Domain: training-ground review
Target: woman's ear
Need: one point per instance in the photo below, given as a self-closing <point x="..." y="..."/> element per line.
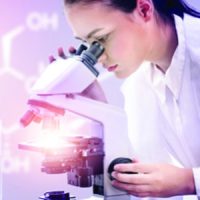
<point x="145" y="9"/>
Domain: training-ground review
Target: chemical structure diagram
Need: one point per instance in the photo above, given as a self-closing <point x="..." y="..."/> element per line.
<point x="35" y="21"/>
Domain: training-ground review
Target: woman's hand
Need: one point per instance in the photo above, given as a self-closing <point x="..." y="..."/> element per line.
<point x="153" y="180"/>
<point x="93" y="91"/>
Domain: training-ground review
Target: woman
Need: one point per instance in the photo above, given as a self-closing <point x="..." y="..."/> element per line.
<point x="155" y="45"/>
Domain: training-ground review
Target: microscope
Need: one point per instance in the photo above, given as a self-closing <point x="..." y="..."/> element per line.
<point x="89" y="154"/>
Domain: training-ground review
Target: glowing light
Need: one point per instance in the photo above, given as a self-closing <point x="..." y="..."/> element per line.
<point x="51" y="140"/>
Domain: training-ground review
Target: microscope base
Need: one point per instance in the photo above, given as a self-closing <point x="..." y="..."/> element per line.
<point x="121" y="197"/>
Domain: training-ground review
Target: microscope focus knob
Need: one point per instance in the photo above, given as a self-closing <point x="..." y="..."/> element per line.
<point x="118" y="161"/>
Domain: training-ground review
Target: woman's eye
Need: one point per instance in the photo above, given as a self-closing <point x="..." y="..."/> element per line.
<point x="103" y="39"/>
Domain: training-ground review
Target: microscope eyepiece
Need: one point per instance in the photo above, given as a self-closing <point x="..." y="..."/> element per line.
<point x="80" y="49"/>
<point x="96" y="49"/>
<point x="91" y="56"/>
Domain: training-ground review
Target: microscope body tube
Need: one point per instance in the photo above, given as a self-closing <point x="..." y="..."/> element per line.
<point x="70" y="76"/>
<point x="65" y="76"/>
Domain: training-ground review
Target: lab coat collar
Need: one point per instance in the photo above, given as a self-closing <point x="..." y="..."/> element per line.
<point x="174" y="74"/>
<point x="172" y="79"/>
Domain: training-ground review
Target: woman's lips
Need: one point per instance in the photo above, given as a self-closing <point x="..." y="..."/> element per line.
<point x="112" y="68"/>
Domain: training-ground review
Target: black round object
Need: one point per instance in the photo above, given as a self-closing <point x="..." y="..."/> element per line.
<point x="118" y="161"/>
<point x="56" y="195"/>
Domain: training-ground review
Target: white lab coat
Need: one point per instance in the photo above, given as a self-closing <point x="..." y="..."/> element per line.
<point x="164" y="109"/>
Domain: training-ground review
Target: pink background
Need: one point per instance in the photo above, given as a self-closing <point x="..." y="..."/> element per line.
<point x="30" y="31"/>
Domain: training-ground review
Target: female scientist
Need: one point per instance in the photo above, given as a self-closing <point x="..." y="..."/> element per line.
<point x="155" y="46"/>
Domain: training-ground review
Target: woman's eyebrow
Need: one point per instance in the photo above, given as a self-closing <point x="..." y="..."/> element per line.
<point x="78" y="38"/>
<point x="89" y="35"/>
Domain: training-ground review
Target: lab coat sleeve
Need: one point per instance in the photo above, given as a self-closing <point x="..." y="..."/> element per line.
<point x="196" y="173"/>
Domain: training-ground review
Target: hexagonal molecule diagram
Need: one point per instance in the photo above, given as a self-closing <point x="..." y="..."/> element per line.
<point x="19" y="68"/>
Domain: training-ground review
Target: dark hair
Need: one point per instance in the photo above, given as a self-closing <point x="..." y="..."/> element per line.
<point x="165" y="8"/>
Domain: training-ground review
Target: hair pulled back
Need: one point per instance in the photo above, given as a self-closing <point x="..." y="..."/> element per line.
<point x="165" y="8"/>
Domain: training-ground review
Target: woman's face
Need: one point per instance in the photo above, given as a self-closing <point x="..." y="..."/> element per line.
<point x="124" y="36"/>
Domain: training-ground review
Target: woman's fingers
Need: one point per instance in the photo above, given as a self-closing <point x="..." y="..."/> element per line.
<point x="72" y="50"/>
<point x="131" y="188"/>
<point x="61" y="53"/>
<point x="51" y="59"/>
<point x="134" y="167"/>
<point x="138" y="179"/>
